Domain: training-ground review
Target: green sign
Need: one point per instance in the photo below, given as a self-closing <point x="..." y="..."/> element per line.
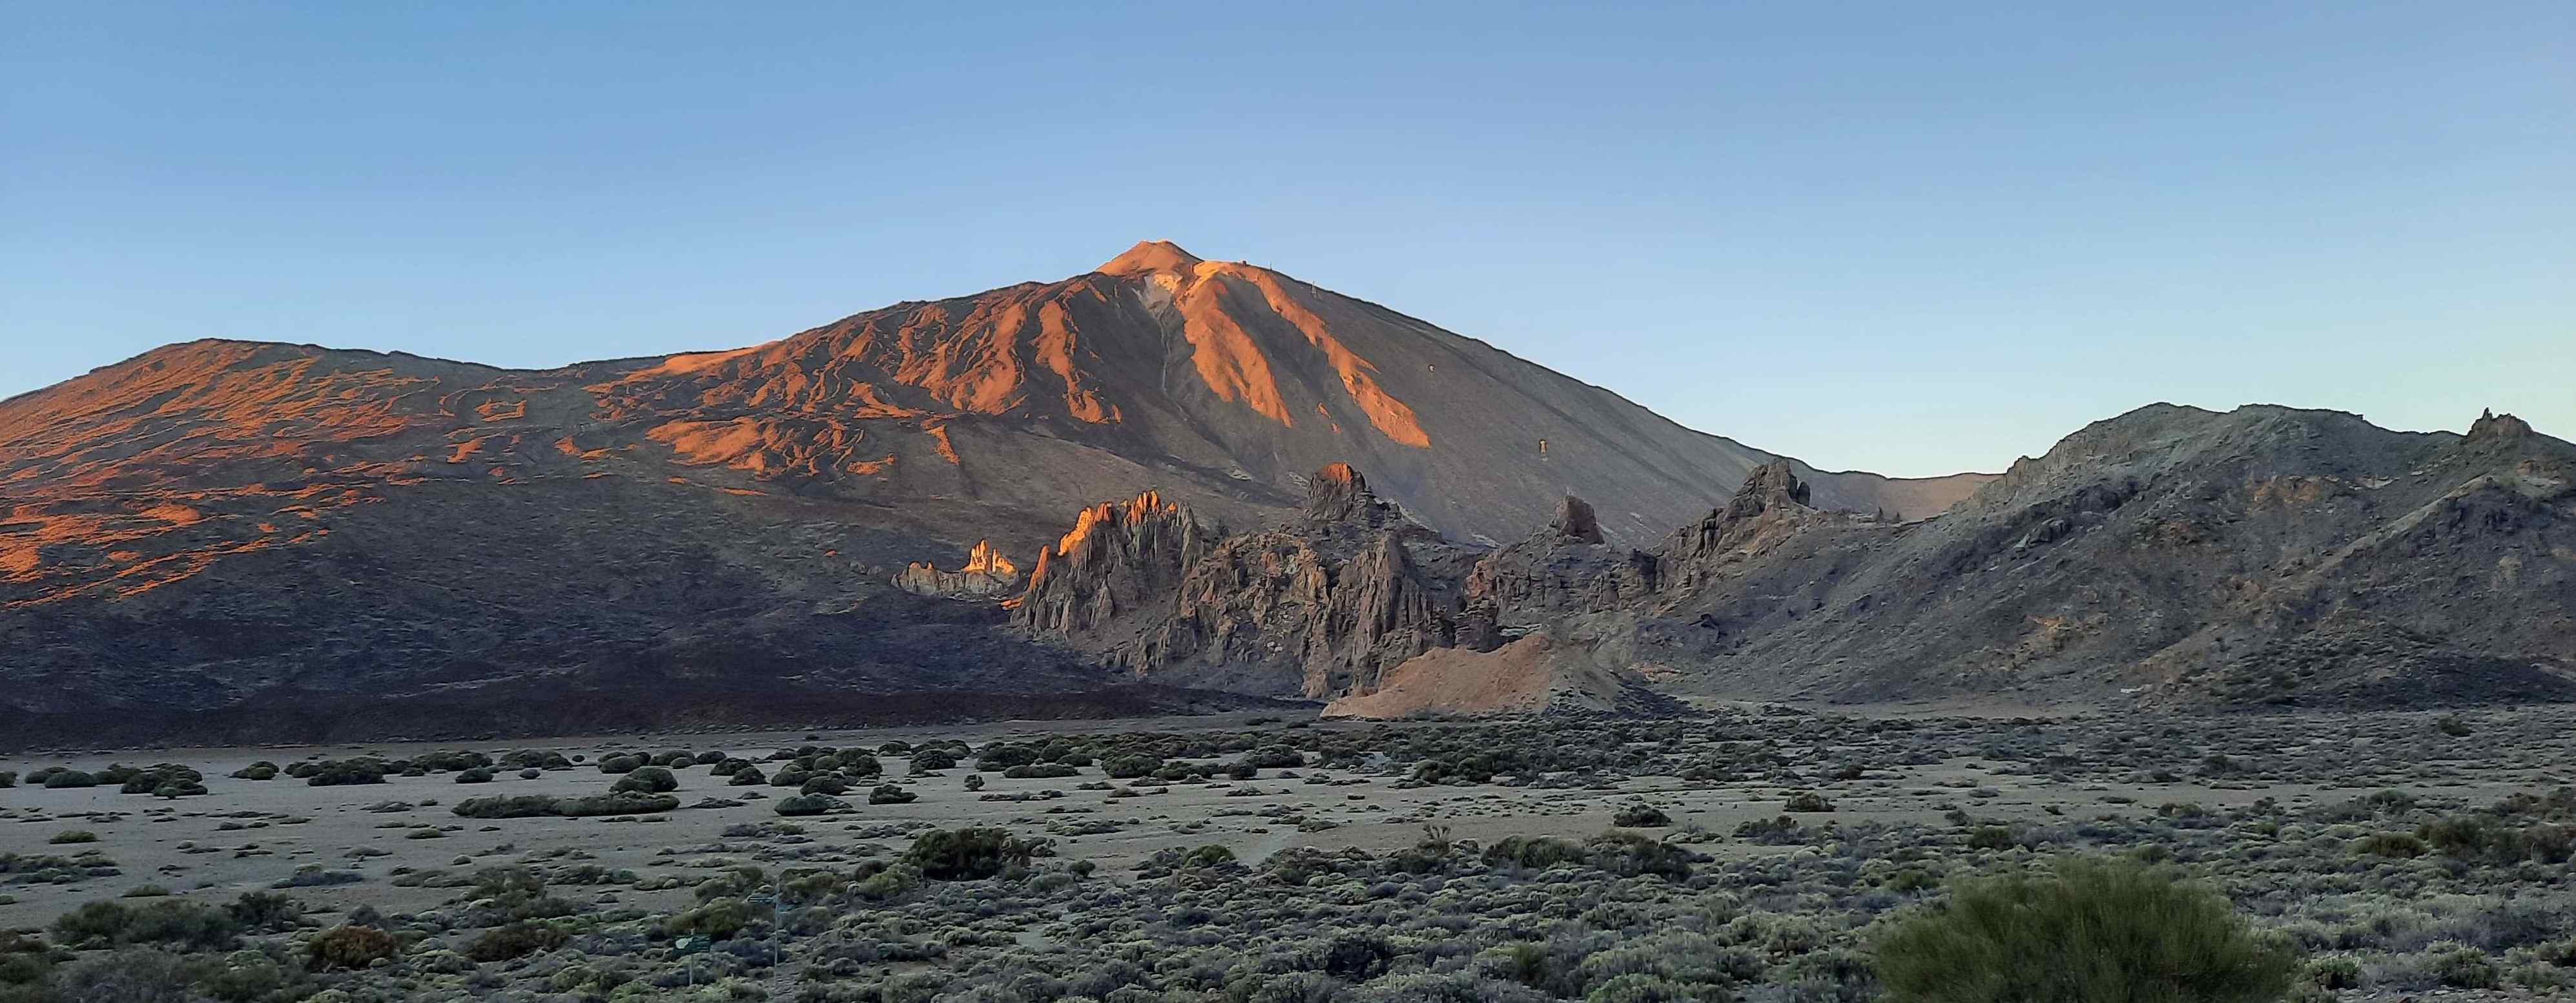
<point x="693" y="944"/>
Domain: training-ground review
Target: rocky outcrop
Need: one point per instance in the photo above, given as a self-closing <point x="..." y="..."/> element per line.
<point x="1120" y="558"/>
<point x="1770" y="506"/>
<point x="1562" y="570"/>
<point x="1320" y="605"/>
<point x="986" y="575"/>
<point x="1576" y="521"/>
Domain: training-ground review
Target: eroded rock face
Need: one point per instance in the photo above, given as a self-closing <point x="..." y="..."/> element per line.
<point x="986" y="575"/>
<point x="1771" y="506"/>
<point x="1321" y="605"/>
<point x="1119" y="558"/>
<point x="1562" y="570"/>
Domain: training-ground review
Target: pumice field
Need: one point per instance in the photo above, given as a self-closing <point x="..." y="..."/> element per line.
<point x="1755" y="854"/>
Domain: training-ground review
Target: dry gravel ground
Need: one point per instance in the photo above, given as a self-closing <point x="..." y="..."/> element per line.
<point x="1916" y="786"/>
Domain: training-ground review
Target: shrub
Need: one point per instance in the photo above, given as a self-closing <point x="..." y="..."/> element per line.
<point x="8" y="778"/>
<point x="747" y="776"/>
<point x="829" y="783"/>
<point x="2464" y="967"/>
<point x="1807" y="801"/>
<point x="1629" y="854"/>
<point x="2094" y="930"/>
<point x="509" y="806"/>
<point x="972" y="853"/>
<point x="350" y="947"/>
<point x="891" y="794"/>
<point x="72" y="836"/>
<point x="720" y="919"/>
<point x="1641" y="815"/>
<point x="932" y="760"/>
<point x="999" y="756"/>
<point x="516" y="940"/>
<point x="265" y="911"/>
<point x="616" y="803"/>
<point x="2388" y="844"/>
<point x="810" y="804"/>
<point x="1533" y="852"/>
<point x="647" y="780"/>
<point x="341" y="772"/>
<point x="69" y="778"/>
<point x="162" y="921"/>
<point x="474" y="775"/>
<point x="1040" y="771"/>
<point x="620" y="764"/>
<point x="1129" y="767"/>
<point x="165" y="779"/>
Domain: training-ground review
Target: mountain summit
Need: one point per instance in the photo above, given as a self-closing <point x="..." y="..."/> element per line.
<point x="1150" y="256"/>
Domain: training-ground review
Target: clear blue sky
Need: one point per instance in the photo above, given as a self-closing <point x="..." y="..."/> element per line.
<point x="1911" y="238"/>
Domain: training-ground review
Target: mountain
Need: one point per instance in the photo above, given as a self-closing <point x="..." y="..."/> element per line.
<point x="246" y="540"/>
<point x="2170" y="556"/>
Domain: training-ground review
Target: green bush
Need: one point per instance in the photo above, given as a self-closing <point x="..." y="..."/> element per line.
<point x="2094" y="930"/>
<point x="162" y="921"/>
<point x="1807" y="801"/>
<point x="163" y="779"/>
<point x="339" y="772"/>
<point x="515" y="940"/>
<point x="747" y="776"/>
<point x="350" y="947"/>
<point x="616" y="803"/>
<point x="828" y="783"/>
<point x="809" y="804"/>
<point x="720" y="919"/>
<point x="1040" y="771"/>
<point x="1641" y="815"/>
<point x="891" y="794"/>
<point x="474" y="775"/>
<point x="1533" y="852"/>
<point x="69" y="778"/>
<point x="72" y="836"/>
<point x="932" y="760"/>
<point x="972" y="853"/>
<point x="265" y="911"/>
<point x="1001" y="756"/>
<point x="620" y="764"/>
<point x="647" y="780"/>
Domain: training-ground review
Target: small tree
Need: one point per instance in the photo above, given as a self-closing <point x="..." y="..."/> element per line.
<point x="2095" y="931"/>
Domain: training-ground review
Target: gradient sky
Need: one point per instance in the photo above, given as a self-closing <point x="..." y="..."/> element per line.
<point x="1912" y="238"/>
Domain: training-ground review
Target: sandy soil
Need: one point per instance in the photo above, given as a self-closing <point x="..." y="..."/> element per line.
<point x="245" y="835"/>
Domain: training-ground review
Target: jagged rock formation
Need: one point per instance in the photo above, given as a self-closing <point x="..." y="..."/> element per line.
<point x="1319" y="605"/>
<point x="986" y="575"/>
<point x="1119" y="559"/>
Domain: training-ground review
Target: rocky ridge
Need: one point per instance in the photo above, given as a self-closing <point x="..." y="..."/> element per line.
<point x="2260" y="557"/>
